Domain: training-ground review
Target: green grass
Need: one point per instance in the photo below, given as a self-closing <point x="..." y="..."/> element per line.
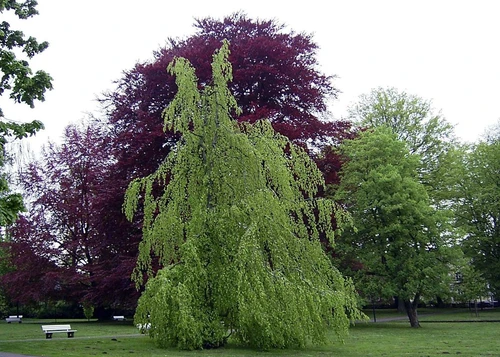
<point x="460" y="315"/>
<point x="31" y="329"/>
<point x="116" y="339"/>
<point x="435" y="314"/>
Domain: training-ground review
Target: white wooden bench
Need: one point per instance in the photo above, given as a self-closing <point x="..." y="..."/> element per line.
<point x="15" y="318"/>
<point x="50" y="329"/>
<point x="119" y="318"/>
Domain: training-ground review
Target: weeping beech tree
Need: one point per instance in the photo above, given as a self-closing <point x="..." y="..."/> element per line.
<point x="232" y="218"/>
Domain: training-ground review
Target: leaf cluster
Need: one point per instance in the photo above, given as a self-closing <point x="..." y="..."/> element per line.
<point x="17" y="76"/>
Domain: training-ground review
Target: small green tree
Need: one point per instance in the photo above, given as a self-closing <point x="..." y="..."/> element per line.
<point x="88" y="311"/>
<point x="401" y="241"/>
<point x="231" y="214"/>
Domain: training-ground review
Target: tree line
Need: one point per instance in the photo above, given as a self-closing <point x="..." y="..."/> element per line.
<point x="395" y="203"/>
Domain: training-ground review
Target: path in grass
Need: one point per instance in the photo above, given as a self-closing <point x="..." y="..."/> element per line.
<point x="5" y="354"/>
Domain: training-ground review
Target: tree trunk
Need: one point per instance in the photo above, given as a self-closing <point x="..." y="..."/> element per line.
<point x="440" y="302"/>
<point x="400" y="304"/>
<point x="411" y="311"/>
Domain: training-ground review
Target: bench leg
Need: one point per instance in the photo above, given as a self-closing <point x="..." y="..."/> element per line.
<point x="71" y="334"/>
<point x="48" y="334"/>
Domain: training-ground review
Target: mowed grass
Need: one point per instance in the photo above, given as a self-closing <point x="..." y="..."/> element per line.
<point x="366" y="339"/>
<point x="439" y="314"/>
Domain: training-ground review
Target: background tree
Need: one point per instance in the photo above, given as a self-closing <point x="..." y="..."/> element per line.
<point x="236" y="226"/>
<point x="32" y="276"/>
<point x="61" y="234"/>
<point x="469" y="284"/>
<point x="275" y="75"/>
<point x="400" y="238"/>
<point x="133" y="144"/>
<point x="413" y="120"/>
<point x="477" y="207"/>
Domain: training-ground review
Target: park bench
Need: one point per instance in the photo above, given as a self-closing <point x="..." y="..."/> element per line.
<point x="16" y="318"/>
<point x="119" y="318"/>
<point x="50" y="329"/>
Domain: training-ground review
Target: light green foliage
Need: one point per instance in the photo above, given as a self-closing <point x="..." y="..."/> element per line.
<point x="400" y="238"/>
<point x="477" y="207"/>
<point x="236" y="228"/>
<point x="413" y="121"/>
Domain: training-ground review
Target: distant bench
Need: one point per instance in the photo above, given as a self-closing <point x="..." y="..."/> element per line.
<point x="119" y="318"/>
<point x="50" y="329"/>
<point x="16" y="318"/>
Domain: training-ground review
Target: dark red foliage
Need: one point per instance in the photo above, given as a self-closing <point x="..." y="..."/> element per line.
<point x="276" y="76"/>
<point x="59" y="245"/>
<point x="34" y="272"/>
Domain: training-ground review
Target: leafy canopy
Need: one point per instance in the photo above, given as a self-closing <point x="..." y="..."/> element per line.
<point x="413" y="121"/>
<point x="231" y="215"/>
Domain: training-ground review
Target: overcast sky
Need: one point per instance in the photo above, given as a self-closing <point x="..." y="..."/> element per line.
<point x="447" y="51"/>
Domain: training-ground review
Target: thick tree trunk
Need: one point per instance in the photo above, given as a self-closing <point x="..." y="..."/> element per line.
<point x="411" y="311"/>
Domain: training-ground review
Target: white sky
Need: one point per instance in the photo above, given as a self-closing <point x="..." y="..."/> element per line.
<point x="447" y="51"/>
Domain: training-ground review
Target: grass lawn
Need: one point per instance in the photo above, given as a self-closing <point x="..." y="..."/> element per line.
<point x="115" y="339"/>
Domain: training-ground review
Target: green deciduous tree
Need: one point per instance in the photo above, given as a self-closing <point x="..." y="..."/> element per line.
<point x="23" y="87"/>
<point x="232" y="217"/>
<point x="477" y="208"/>
<point x="400" y="238"/>
<point x="413" y="121"/>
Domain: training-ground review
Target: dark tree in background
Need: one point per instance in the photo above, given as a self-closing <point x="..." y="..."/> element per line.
<point x="276" y="76"/>
<point x="59" y="244"/>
